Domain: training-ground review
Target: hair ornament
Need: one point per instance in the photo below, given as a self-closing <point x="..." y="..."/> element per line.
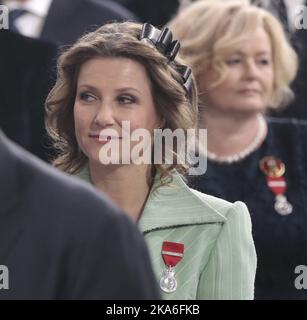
<point x="164" y="43"/>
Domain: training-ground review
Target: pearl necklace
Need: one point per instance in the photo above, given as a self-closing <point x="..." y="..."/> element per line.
<point x="248" y="150"/>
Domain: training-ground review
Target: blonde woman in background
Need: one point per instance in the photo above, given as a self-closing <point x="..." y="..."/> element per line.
<point x="244" y="65"/>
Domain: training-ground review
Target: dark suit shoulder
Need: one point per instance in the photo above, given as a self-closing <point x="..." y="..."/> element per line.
<point x="73" y="243"/>
<point x="54" y="194"/>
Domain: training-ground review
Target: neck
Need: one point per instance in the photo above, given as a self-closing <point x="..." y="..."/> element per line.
<point x="232" y="136"/>
<point x="128" y="186"/>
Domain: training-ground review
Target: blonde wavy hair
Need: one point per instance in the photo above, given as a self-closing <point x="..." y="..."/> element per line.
<point x="209" y="30"/>
<point x="176" y="108"/>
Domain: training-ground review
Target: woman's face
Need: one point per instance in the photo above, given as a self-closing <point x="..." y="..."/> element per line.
<point x="109" y="91"/>
<point x="249" y="83"/>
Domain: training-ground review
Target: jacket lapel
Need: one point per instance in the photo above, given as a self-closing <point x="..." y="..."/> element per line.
<point x="176" y="205"/>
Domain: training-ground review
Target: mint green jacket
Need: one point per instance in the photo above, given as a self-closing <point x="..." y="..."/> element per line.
<point x="219" y="259"/>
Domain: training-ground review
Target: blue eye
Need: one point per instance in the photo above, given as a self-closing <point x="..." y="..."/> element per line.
<point x="87" y="97"/>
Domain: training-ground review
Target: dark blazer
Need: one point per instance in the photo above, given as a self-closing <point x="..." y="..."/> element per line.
<point x="60" y="239"/>
<point x="68" y="20"/>
<point x="26" y="76"/>
<point x="281" y="241"/>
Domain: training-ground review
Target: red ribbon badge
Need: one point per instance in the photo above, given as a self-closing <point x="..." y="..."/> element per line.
<point x="172" y="253"/>
<point x="274" y="170"/>
<point x="277" y="185"/>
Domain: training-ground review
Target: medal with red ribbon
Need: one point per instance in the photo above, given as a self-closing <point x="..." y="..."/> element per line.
<point x="274" y="169"/>
<point x="172" y="253"/>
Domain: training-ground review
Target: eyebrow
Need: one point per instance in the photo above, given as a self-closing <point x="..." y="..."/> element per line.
<point x="127" y="89"/>
<point x="88" y="87"/>
<point x="117" y="90"/>
<point x="258" y="53"/>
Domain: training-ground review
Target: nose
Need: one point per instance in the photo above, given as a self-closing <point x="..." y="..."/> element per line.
<point x="104" y="116"/>
<point x="251" y="70"/>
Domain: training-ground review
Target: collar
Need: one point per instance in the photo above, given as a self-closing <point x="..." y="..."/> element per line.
<point x="172" y="205"/>
<point x="176" y="205"/>
<point x="39" y="8"/>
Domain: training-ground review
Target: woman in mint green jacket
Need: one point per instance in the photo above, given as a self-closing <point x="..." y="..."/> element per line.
<point x="123" y="116"/>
